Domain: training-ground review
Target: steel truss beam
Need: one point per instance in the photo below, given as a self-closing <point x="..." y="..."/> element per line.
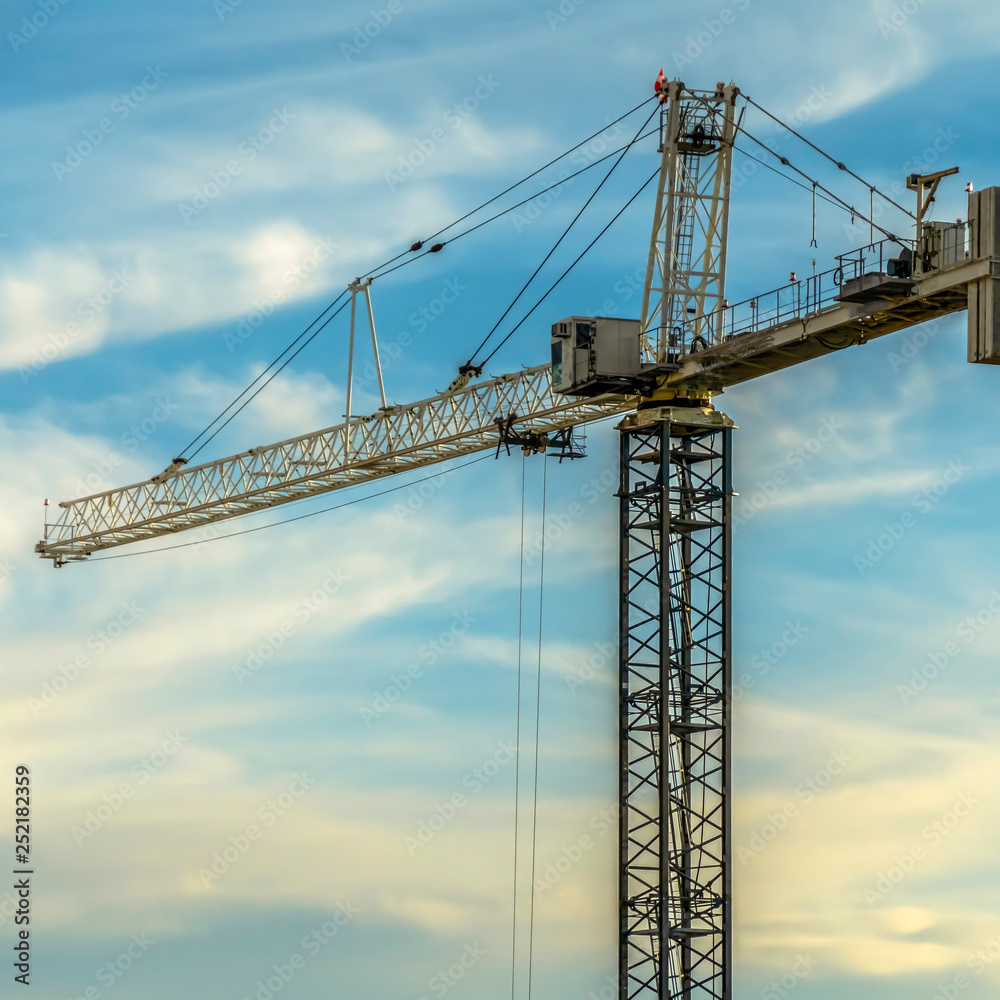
<point x="674" y="877"/>
<point x="396" y="439"/>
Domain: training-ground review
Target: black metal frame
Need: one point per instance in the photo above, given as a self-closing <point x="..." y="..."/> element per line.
<point x="567" y="443"/>
<point x="675" y="875"/>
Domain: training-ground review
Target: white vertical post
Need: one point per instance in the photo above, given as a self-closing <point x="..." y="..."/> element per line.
<point x="350" y="369"/>
<point x="378" y="360"/>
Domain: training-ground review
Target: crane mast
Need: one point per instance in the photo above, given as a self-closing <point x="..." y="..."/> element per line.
<point x="675" y="668"/>
<point x="660" y="373"/>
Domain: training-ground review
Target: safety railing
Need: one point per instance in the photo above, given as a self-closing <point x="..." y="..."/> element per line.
<point x="800" y="298"/>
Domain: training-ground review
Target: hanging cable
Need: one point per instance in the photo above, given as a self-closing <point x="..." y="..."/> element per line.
<point x="775" y="170"/>
<point x="420" y="243"/>
<point x="436" y="248"/>
<point x="786" y="162"/>
<point x="555" y="284"/>
<point x="540" y="169"/>
<point x="291" y="357"/>
<point x="517" y="742"/>
<point x="507" y="211"/>
<point x="538" y="708"/>
<point x="562" y="236"/>
<point x="838" y="200"/>
<point x="838" y="163"/>
<point x="373" y="276"/>
<point x="572" y="149"/>
<point x="382" y="274"/>
<point x="813" y="242"/>
<point x="263" y="373"/>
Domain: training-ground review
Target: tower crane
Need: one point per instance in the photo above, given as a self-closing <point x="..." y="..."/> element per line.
<point x="660" y="374"/>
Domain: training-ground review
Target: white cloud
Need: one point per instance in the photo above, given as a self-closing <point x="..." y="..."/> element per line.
<point x="867" y="868"/>
<point x="202" y="612"/>
<point x="572" y="661"/>
<point x="847" y="490"/>
<point x="293" y="403"/>
<point x="221" y="249"/>
<point x="67" y="300"/>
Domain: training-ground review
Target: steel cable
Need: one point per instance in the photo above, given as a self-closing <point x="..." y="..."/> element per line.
<point x="562" y="236"/>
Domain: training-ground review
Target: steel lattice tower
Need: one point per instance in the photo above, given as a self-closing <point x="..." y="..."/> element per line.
<point x="675" y="893"/>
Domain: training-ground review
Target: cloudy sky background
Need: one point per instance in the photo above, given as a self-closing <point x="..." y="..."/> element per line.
<point x="364" y="591"/>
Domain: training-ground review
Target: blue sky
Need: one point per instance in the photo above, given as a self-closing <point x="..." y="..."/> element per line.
<point x="212" y="681"/>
